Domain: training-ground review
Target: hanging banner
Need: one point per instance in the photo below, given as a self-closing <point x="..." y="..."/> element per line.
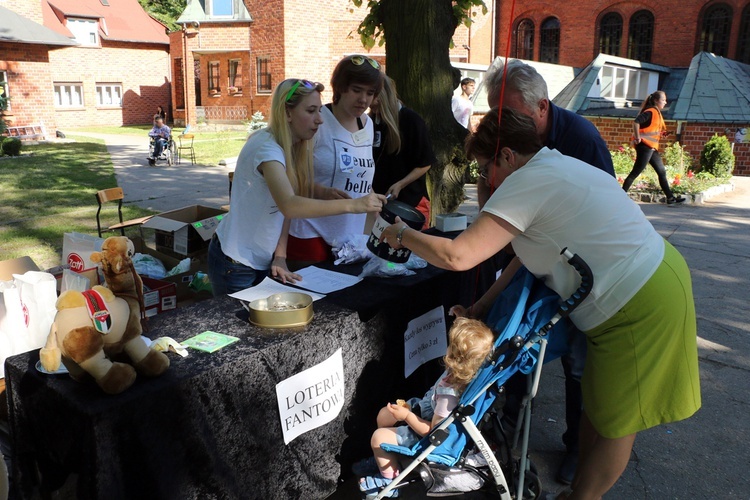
<point x="425" y="339"/>
<point x="311" y="398"/>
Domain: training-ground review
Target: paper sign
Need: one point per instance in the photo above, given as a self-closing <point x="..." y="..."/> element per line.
<point x="269" y="287"/>
<point x="325" y="281"/>
<point x="425" y="339"/>
<point x="311" y="398"/>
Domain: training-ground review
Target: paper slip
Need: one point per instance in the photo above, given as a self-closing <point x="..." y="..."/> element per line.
<point x="269" y="287"/>
<point x="325" y="281"/>
<point x="209" y="341"/>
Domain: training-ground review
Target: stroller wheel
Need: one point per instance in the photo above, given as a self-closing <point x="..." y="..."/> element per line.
<point x="532" y="487"/>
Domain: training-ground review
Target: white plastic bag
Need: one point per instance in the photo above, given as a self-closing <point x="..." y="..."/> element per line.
<point x="382" y="268"/>
<point x="27" y="310"/>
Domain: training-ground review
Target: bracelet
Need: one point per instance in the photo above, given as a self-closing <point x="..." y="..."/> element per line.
<point x="400" y="234"/>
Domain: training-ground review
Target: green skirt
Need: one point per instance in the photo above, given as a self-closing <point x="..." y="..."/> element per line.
<point x="642" y="363"/>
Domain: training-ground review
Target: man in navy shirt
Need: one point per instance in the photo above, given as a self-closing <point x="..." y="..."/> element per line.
<point x="572" y="135"/>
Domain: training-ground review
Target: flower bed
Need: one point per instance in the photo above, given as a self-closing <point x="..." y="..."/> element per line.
<point x="696" y="187"/>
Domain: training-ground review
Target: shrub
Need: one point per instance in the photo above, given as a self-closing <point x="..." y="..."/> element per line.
<point x="11" y="146"/>
<point x="257" y="121"/>
<point x="717" y="158"/>
<point x="677" y="159"/>
<point x="623" y="159"/>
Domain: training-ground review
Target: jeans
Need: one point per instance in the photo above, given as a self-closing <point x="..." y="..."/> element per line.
<point x="644" y="155"/>
<point x="227" y="275"/>
<point x="159" y="144"/>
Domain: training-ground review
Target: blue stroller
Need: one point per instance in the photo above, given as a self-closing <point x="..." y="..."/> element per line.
<point x="446" y="462"/>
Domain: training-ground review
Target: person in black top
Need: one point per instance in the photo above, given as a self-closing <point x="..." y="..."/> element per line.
<point x="402" y="150"/>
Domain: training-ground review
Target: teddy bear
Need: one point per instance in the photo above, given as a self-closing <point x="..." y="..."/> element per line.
<point x="93" y="326"/>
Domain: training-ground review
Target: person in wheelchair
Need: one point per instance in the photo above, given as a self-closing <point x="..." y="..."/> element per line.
<point x="160" y="136"/>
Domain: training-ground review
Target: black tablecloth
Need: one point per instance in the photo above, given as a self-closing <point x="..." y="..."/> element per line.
<point x="209" y="427"/>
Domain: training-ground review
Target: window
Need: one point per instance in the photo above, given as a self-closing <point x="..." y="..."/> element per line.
<point x="617" y="82"/>
<point x="610" y="34"/>
<point x="4" y="91"/>
<point x="234" y="83"/>
<point x="85" y="31"/>
<point x="222" y="8"/>
<point x="109" y="95"/>
<point x="525" y="40"/>
<point x="68" y="95"/>
<point x="717" y="23"/>
<point x="641" y="36"/>
<point x="549" y="43"/>
<point x="264" y="75"/>
<point x="213" y="77"/>
<point x="743" y="42"/>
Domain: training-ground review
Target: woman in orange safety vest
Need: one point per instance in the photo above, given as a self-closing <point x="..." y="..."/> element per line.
<point x="648" y="128"/>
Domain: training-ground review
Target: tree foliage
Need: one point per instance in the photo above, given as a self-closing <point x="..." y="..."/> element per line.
<point x="371" y="28"/>
<point x="166" y="11"/>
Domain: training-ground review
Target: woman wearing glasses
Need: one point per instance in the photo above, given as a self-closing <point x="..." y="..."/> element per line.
<point x="642" y="364"/>
<point x="342" y="157"/>
<point x="273" y="181"/>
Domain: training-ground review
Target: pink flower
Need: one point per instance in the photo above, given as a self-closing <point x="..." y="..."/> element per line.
<point x="690" y="174"/>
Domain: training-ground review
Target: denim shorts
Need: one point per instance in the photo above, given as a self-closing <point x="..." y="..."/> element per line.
<point x="226" y="274"/>
<point x="406" y="437"/>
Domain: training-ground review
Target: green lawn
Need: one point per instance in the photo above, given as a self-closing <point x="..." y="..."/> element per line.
<point x="48" y="191"/>
<point x="210" y="147"/>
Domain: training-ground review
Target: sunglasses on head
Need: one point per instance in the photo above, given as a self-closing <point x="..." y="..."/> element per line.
<point x="360" y="60"/>
<point x="306" y="83"/>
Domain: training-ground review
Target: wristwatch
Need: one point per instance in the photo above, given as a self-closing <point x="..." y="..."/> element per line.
<point x="400" y="233"/>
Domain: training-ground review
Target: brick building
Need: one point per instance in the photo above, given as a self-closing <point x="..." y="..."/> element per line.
<point x="230" y="54"/>
<point x="114" y="70"/>
<point x="669" y="32"/>
<point x="710" y="96"/>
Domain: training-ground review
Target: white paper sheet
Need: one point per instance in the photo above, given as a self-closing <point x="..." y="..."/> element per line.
<point x="312" y="397"/>
<point x="424" y="339"/>
<point x="269" y="287"/>
<point x="325" y="281"/>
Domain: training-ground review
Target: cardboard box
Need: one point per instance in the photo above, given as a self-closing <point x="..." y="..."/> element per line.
<point x="185" y="231"/>
<point x="158" y="296"/>
<point x="450" y="222"/>
<point x="91" y="274"/>
<point x="182" y="280"/>
<point x="16" y="266"/>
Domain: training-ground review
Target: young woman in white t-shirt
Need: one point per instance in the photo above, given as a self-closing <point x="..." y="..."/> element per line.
<point x="639" y="319"/>
<point x="273" y="181"/>
<point x="342" y="157"/>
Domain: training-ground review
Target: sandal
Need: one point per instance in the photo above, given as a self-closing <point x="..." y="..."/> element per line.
<point x="371" y="485"/>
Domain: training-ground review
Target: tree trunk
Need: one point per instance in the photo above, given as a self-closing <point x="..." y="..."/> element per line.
<point x="418" y="35"/>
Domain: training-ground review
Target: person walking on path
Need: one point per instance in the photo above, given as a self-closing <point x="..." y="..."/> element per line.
<point x="648" y="128"/>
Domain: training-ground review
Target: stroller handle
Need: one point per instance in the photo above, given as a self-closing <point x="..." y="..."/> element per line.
<point x="584" y="289"/>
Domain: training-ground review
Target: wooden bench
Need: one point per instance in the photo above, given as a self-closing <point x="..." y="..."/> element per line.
<point x="27" y="133"/>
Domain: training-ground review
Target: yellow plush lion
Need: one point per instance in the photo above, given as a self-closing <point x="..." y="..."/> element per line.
<point x="92" y="326"/>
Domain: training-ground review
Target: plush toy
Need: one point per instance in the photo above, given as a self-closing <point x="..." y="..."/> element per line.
<point x="93" y="326"/>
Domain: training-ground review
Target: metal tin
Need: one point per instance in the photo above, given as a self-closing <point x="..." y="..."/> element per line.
<point x="392" y="209"/>
<point x="281" y="310"/>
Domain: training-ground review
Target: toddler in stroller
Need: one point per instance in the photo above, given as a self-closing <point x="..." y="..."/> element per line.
<point x="469" y="449"/>
<point x="470" y="343"/>
<point x="161" y="146"/>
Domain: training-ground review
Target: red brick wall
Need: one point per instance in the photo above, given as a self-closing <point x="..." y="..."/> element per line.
<point x="676" y="27"/>
<point x="29" y="84"/>
<point x="143" y="70"/>
<point x="617" y="131"/>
